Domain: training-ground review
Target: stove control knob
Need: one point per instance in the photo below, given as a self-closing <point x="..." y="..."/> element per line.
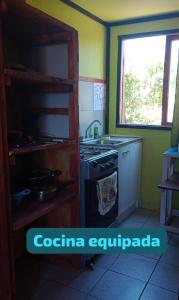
<point x="108" y="165"/>
<point x="115" y="156"/>
<point x="111" y="164"/>
<point x="102" y="168"/>
<point x="95" y="164"/>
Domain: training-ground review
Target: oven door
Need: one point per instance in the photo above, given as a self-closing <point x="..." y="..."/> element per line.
<point x="94" y="219"/>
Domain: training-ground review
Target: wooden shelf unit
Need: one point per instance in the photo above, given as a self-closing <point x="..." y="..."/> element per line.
<point x="22" y="28"/>
<point x="32" y="209"/>
<point x="169" y="184"/>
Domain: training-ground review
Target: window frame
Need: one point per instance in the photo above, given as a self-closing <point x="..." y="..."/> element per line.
<point x="170" y="36"/>
<point x="167" y="62"/>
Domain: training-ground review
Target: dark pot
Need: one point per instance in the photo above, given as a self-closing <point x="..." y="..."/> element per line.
<point x="43" y="177"/>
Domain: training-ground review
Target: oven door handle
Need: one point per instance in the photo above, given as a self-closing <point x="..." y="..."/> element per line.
<point x="101" y="175"/>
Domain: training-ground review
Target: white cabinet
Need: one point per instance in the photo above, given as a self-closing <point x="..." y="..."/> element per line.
<point x="129" y="178"/>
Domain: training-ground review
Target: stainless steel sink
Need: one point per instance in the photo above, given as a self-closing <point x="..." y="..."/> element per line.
<point x="110" y="142"/>
<point x="102" y="142"/>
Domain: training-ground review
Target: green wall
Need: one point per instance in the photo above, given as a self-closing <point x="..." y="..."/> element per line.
<point x="91" y="36"/>
<point x="155" y="141"/>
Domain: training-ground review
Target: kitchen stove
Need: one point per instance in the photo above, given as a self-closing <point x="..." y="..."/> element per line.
<point x="96" y="165"/>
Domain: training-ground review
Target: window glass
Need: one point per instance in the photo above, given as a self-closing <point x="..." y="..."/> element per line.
<point x="142" y="80"/>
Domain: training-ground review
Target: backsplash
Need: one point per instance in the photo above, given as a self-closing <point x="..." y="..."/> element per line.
<point x="91" y="105"/>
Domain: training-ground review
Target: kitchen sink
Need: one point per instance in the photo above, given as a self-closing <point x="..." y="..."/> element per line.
<point x="111" y="141"/>
<point x="103" y="142"/>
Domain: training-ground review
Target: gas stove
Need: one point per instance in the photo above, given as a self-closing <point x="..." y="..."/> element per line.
<point x="88" y="152"/>
<point x="94" y="161"/>
<point x="96" y="164"/>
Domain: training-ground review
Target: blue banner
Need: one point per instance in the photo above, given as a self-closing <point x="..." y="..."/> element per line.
<point x="96" y="240"/>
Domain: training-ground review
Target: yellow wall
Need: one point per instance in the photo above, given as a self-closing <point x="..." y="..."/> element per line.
<point x="91" y="36"/>
<point x="155" y="141"/>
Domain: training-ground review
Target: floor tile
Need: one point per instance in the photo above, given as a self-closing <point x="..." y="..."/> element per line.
<point x="174" y="240"/>
<point x="105" y="260"/>
<point x="148" y="225"/>
<point x="136" y="266"/>
<point x="152" y="292"/>
<point x="153" y="221"/>
<point x="140" y="215"/>
<point x="60" y="274"/>
<point x="86" y="280"/>
<point x="128" y="273"/>
<point x="156" y="213"/>
<point x="130" y="224"/>
<point x="145" y="212"/>
<point x="55" y="291"/>
<point x="166" y="276"/>
<point x="171" y="256"/>
<point x="151" y="255"/>
<point x="117" y="286"/>
<point x="68" y="293"/>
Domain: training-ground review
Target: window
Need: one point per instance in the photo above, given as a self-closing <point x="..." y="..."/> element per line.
<point x="147" y="81"/>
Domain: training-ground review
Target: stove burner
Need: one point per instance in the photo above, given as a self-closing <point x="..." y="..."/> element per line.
<point x="90" y="152"/>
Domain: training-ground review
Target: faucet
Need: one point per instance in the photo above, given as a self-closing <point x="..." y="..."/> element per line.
<point x="90" y="125"/>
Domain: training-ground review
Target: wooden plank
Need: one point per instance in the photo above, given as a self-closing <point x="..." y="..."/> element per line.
<point x="73" y="70"/>
<point x="3" y="6"/>
<point x="45" y="39"/>
<point x="169" y="185"/>
<point x="34" y="78"/>
<point x="7" y="282"/>
<point x="32" y="210"/>
<point x="44" y="147"/>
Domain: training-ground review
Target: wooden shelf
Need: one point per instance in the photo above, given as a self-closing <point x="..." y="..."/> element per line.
<point x="43" y="147"/>
<point x="172" y="152"/>
<point x="37" y="80"/>
<point x="31" y="210"/>
<point x="172" y="183"/>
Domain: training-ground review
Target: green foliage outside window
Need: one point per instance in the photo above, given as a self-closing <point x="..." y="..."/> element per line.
<point x="143" y="97"/>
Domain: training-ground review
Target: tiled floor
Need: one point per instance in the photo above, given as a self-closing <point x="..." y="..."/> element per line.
<point x="115" y="277"/>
